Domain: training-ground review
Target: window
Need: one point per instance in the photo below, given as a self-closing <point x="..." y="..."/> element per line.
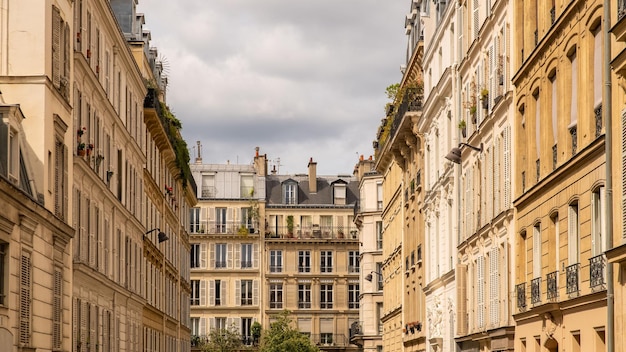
<point x="304" y="296"/>
<point x="246" y="292"/>
<point x="326" y="296"/>
<point x="60" y="53"/>
<point x="246" y="219"/>
<point x="573" y="235"/>
<point x="379" y="268"/>
<point x="537" y="250"/>
<point x="220" y="324"/>
<point x="326" y="262"/>
<point x="304" y="261"/>
<point x="3" y="270"/>
<point x="276" y="296"/>
<point x="598" y="226"/>
<point x="339" y="191"/>
<point x="276" y="261"/>
<point x="220" y="220"/>
<point x="220" y="255"/>
<point x="195" y="255"/>
<point x="326" y="338"/>
<point x="195" y="293"/>
<point x="246" y="255"/>
<point x="290" y="192"/>
<point x="247" y="186"/>
<point x="353" y="262"/>
<point x="379" y="196"/>
<point x="194" y="220"/>
<point x="195" y="326"/>
<point x="57" y="309"/>
<point x="379" y="235"/>
<point x="246" y="335"/>
<point x="208" y="186"/>
<point x="353" y="296"/>
<point x="218" y="292"/>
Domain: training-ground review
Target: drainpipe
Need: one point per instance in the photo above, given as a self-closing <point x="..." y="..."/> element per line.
<point x="606" y="111"/>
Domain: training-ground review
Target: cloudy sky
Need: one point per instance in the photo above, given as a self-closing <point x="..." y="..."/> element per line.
<point x="297" y="78"/>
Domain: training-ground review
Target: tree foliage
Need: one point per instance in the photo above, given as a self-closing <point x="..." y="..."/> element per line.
<point x="283" y="337"/>
<point x="223" y="340"/>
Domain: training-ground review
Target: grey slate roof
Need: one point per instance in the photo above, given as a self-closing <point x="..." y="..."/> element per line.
<point x="323" y="197"/>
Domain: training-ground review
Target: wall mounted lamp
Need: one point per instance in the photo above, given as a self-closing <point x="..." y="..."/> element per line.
<point x="162" y="236"/>
<point x="369" y="276"/>
<point x="455" y="154"/>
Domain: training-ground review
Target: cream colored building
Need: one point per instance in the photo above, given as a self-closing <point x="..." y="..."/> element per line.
<point x="311" y="255"/>
<point x="226" y="247"/>
<point x="69" y="66"/>
<point x="367" y="332"/>
<point x="560" y="177"/>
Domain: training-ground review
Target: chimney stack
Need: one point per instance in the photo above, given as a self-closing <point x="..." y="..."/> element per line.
<point x="199" y="155"/>
<point x="260" y="163"/>
<point x="312" y="176"/>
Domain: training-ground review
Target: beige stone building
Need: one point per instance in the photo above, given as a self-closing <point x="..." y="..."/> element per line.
<point x="226" y="247"/>
<point x="367" y="332"/>
<point x="97" y="167"/>
<point x="311" y="255"/>
<point x="560" y="177"/>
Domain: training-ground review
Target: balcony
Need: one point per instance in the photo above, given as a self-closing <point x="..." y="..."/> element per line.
<point x="209" y="192"/>
<point x="535" y="291"/>
<point x="596" y="271"/>
<point x="329" y="340"/>
<point x="572" y="275"/>
<point x="313" y="232"/>
<point x="552" y="286"/>
<point x="356" y="329"/>
<point x="222" y="228"/>
<point x="411" y="101"/>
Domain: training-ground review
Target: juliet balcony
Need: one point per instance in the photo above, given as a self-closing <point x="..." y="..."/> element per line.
<point x="576" y="280"/>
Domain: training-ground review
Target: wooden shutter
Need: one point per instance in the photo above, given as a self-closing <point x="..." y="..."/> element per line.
<point x="229" y="255"/>
<point x="203" y="254"/>
<point x="255" y="292"/>
<point x="212" y="255"/>
<point x="507" y="167"/>
<point x="461" y="299"/>
<point x="203" y="293"/>
<point x="237" y="250"/>
<point x="623" y="173"/>
<point x="255" y="255"/>
<point x="202" y="329"/>
<point x="211" y="293"/>
<point x="237" y="292"/>
<point x="25" y="299"/>
<point x="57" y="309"/>
<point x="56" y="47"/>
<point x="494" y="286"/>
<point x="480" y="292"/>
<point x="224" y="293"/>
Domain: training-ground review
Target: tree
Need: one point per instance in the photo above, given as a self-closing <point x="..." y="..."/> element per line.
<point x="282" y="337"/>
<point x="223" y="340"/>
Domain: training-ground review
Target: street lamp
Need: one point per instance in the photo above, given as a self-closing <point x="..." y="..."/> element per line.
<point x="455" y="154"/>
<point x="162" y="236"/>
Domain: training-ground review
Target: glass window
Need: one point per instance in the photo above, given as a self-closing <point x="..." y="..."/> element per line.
<point x="195" y="255"/>
<point x="276" y="261"/>
<point x="353" y="296"/>
<point x="290" y="191"/>
<point x="326" y="296"/>
<point x="220" y="255"/>
<point x="304" y="261"/>
<point x="276" y="296"/>
<point x="353" y="262"/>
<point x="246" y="255"/>
<point x="220" y="220"/>
<point x="195" y="326"/>
<point x="218" y="292"/>
<point x="326" y="262"/>
<point x="246" y="292"/>
<point x="195" y="293"/>
<point x="379" y="235"/>
<point x="194" y="220"/>
<point x="246" y="335"/>
<point x="304" y="296"/>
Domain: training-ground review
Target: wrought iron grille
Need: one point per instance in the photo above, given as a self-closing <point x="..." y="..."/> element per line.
<point x="535" y="290"/>
<point x="552" y="285"/>
<point x="598" y="114"/>
<point x="520" y="289"/>
<point x="571" y="273"/>
<point x="552" y="15"/>
<point x="573" y="131"/>
<point x="554" y="156"/>
<point x="596" y="271"/>
<point x="538" y="169"/>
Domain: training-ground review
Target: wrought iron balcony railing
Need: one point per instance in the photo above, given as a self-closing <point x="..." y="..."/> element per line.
<point x="552" y="285"/>
<point x="313" y="232"/>
<point x="598" y="115"/>
<point x="535" y="290"/>
<point x="356" y="329"/>
<point x="571" y="273"/>
<point x="520" y="289"/>
<point x="596" y="271"/>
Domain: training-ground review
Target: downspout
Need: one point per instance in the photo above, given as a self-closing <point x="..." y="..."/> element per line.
<point x="606" y="111"/>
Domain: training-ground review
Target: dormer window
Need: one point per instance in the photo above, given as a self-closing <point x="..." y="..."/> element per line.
<point x="339" y="194"/>
<point x="290" y="192"/>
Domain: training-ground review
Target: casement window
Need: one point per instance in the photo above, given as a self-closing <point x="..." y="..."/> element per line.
<point x="195" y="255"/>
<point x="304" y="261"/>
<point x="353" y="296"/>
<point x="304" y="296"/>
<point x="195" y="293"/>
<point x="326" y="331"/>
<point x="276" y="261"/>
<point x="290" y="192"/>
<point x="208" y="186"/>
<point x="246" y="292"/>
<point x="60" y="53"/>
<point x="246" y="255"/>
<point x="598" y="224"/>
<point x="379" y="196"/>
<point x="339" y="193"/>
<point x="221" y="255"/>
<point x="247" y="186"/>
<point x="246" y="219"/>
<point x="353" y="262"/>
<point x="246" y="333"/>
<point x="220" y="220"/>
<point x="573" y="243"/>
<point x="326" y="261"/>
<point x="195" y="326"/>
<point x="379" y="235"/>
<point x="218" y="292"/>
<point x="276" y="296"/>
<point x="194" y="220"/>
<point x="326" y="296"/>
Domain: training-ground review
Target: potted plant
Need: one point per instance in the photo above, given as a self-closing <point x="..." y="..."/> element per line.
<point x="89" y="148"/>
<point x="81" y="149"/>
<point x="463" y="127"/>
<point x="290" y="225"/>
<point x="484" y="97"/>
<point x="255" y="331"/>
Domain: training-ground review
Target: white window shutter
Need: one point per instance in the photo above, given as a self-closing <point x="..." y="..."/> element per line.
<point x="211" y="293"/>
<point x="203" y="220"/>
<point x="203" y="255"/>
<point x="496" y="177"/>
<point x="237" y="292"/>
<point x="494" y="287"/>
<point x="229" y="255"/>
<point x="202" y="327"/>
<point x="211" y="324"/>
<point x="203" y="293"/>
<point x="237" y="250"/>
<point x="507" y="167"/>
<point x="224" y="293"/>
<point x="212" y="255"/>
<point x="255" y="292"/>
<point x="480" y="291"/>
<point x="255" y="255"/>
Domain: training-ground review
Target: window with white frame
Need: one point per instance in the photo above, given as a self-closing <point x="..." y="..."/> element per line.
<point x="195" y="326"/>
<point x="304" y="261"/>
<point x="220" y="220"/>
<point x="221" y="255"/>
<point x="276" y="261"/>
<point x="276" y="296"/>
<point x="326" y="296"/>
<point x="290" y="192"/>
<point x="247" y="186"/>
<point x="339" y="193"/>
<point x="195" y="293"/>
<point x="246" y="255"/>
<point x="353" y="262"/>
<point x="379" y="235"/>
<point x="246" y="292"/>
<point x="304" y="296"/>
<point x="598" y="224"/>
<point x="379" y="196"/>
<point x="353" y="296"/>
<point x="573" y="243"/>
<point x="195" y="255"/>
<point x="194" y="220"/>
<point x="326" y="261"/>
<point x="246" y="334"/>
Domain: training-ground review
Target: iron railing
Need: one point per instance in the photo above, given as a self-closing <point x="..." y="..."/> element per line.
<point x="323" y="340"/>
<point x="520" y="289"/>
<point x="535" y="290"/>
<point x="313" y="232"/>
<point x="222" y="227"/>
<point x="571" y="273"/>
<point x="596" y="271"/>
<point x="598" y="115"/>
<point x="574" y="133"/>
<point x="552" y="286"/>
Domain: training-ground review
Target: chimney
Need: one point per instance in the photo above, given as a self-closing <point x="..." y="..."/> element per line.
<point x="260" y="163"/>
<point x="312" y="176"/>
<point x="199" y="155"/>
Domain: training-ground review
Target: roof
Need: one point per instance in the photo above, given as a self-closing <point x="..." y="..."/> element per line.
<point x="323" y="196"/>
